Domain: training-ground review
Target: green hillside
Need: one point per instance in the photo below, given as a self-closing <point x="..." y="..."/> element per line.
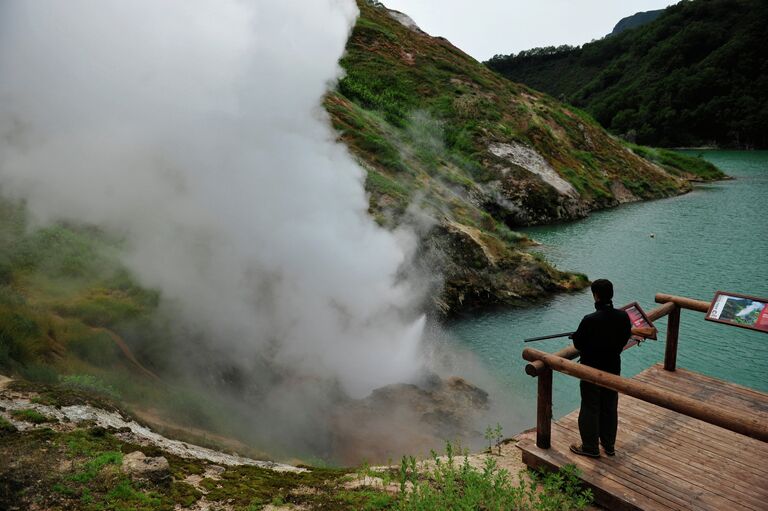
<point x="450" y="147"/>
<point x="481" y="156"/>
<point x="636" y="20"/>
<point x="697" y="75"/>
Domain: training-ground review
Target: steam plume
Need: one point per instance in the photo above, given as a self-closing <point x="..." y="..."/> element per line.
<point x="195" y="130"/>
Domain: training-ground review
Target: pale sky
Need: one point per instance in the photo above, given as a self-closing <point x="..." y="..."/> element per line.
<point x="484" y="28"/>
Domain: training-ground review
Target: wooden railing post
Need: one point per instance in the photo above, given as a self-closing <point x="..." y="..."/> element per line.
<point x="544" y="410"/>
<point x="673" y="330"/>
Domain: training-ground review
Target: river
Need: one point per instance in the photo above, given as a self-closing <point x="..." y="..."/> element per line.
<point x="713" y="238"/>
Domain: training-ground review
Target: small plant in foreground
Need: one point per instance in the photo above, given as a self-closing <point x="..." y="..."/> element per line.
<point x="454" y="484"/>
<point x="494" y="437"/>
<point x="6" y="427"/>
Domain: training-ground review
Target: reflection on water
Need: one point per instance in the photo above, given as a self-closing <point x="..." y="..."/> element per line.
<point x="715" y="237"/>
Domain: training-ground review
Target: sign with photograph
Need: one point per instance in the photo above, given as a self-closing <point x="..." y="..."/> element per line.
<point x="739" y="310"/>
<point x="639" y="320"/>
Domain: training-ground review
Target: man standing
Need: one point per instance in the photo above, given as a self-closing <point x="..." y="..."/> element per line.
<point x="600" y="339"/>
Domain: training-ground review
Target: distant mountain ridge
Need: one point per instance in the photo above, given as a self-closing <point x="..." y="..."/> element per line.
<point x="696" y="75"/>
<point x="636" y="20"/>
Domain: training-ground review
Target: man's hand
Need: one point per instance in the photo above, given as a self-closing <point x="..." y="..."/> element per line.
<point x="644" y="331"/>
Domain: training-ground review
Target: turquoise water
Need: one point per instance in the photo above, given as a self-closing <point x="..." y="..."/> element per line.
<point x="715" y="237"/>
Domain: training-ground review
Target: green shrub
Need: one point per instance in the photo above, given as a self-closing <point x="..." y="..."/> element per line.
<point x="96" y="348"/>
<point x="58" y="251"/>
<point x="6" y="427"/>
<point x="452" y="484"/>
<point x="6" y="272"/>
<point x="16" y="330"/>
<point x="92" y="467"/>
<point x="88" y="383"/>
<point x="678" y="163"/>
<point x="40" y="373"/>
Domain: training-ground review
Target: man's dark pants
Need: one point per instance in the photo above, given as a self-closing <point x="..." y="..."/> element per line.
<point x="598" y="417"/>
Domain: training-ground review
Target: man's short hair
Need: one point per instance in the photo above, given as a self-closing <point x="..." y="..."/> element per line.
<point x="602" y="289"/>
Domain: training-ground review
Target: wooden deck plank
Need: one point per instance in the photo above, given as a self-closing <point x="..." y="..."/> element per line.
<point x="734" y="396"/>
<point x="703" y="474"/>
<point x="626" y="470"/>
<point x="668" y="461"/>
<point x="687" y="441"/>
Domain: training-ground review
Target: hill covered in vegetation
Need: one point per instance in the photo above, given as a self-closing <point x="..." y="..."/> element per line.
<point x="636" y="20"/>
<point x="696" y="75"/>
<point x="451" y="149"/>
<point x="440" y="133"/>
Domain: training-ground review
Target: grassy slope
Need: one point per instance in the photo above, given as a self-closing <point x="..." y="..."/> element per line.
<point x="397" y="78"/>
<point x="420" y="115"/>
<point x="696" y="75"/>
<point x="64" y="301"/>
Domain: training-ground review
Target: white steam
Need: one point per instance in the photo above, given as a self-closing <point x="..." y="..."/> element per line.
<point x="194" y="128"/>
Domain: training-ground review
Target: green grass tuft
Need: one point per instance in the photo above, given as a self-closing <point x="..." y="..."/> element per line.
<point x="678" y="163"/>
<point x="31" y="415"/>
<point x="89" y="384"/>
<point x="453" y="484"/>
<point x="6" y="427"/>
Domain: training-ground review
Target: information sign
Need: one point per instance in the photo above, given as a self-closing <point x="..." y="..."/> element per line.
<point x="739" y="310"/>
<point x="639" y="320"/>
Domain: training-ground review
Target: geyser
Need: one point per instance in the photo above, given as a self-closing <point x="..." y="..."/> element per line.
<point x="195" y="130"/>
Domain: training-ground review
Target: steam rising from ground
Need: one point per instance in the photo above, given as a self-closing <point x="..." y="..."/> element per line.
<point x="195" y="130"/>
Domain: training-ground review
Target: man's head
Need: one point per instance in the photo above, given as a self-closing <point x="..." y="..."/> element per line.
<point x="602" y="290"/>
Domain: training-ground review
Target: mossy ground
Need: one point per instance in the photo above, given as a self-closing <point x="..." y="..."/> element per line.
<point x="80" y="470"/>
<point x="78" y="467"/>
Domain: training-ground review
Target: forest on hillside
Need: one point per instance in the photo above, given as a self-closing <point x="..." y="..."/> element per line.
<point x="697" y="75"/>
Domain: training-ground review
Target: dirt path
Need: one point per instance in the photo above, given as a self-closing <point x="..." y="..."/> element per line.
<point x="127" y="352"/>
<point x="122" y="346"/>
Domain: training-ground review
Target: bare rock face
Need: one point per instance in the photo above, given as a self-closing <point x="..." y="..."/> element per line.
<point x="139" y="466"/>
<point x="407" y="418"/>
<point x="480" y="271"/>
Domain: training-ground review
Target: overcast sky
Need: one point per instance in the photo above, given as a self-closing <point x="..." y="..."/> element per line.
<point x="484" y="28"/>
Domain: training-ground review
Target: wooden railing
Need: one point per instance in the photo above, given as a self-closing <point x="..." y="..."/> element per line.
<point x="542" y="364"/>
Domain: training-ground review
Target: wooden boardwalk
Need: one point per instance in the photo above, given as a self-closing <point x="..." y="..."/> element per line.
<point x="665" y="460"/>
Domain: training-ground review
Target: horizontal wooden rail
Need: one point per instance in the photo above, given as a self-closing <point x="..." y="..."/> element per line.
<point x="749" y="426"/>
<point x="683" y="302"/>
<point x="535" y="368"/>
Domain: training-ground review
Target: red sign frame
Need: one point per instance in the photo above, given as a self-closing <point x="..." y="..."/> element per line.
<point x="639" y="319"/>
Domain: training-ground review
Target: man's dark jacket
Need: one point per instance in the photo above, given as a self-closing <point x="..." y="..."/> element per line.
<point x="601" y="337"/>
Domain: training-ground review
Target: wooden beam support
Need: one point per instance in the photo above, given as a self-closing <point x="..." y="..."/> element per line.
<point x="683" y="302"/>
<point x="673" y="331"/>
<point x="745" y="425"/>
<point x="660" y="311"/>
<point x="544" y="410"/>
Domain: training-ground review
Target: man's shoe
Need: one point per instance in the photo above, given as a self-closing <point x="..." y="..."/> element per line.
<point x="609" y="452"/>
<point x="576" y="448"/>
